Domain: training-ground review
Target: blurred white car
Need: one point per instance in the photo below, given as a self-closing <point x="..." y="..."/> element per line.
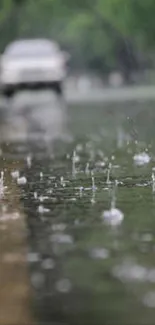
<point x="32" y="63"/>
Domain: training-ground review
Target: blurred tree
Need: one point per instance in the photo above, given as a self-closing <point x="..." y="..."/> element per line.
<point x="101" y="34"/>
<point x="9" y="20"/>
<point x="93" y="26"/>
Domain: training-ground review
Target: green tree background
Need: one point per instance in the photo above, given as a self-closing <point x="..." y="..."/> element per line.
<point x="101" y="35"/>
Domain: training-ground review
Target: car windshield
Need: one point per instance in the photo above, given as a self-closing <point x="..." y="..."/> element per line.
<point x="31" y="49"/>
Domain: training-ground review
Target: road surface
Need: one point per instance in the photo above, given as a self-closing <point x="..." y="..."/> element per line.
<point x="111" y="95"/>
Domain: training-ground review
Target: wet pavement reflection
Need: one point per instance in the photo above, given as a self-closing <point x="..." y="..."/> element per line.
<point x="15" y="289"/>
<point x="77" y="213"/>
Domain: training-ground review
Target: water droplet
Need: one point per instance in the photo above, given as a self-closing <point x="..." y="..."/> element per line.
<point x="50" y="191"/>
<point x="100" y="164"/>
<point x="29" y="161"/>
<point x="48" y="264"/>
<point x="87" y="170"/>
<point x="129" y="271"/>
<point x="15" y="174"/>
<point x="62" y="238"/>
<point x="21" y="180"/>
<point x="108" y="173"/>
<point x="41" y="209"/>
<point x="43" y="198"/>
<point x="35" y="195"/>
<point x="113" y="217"/>
<point x="141" y="159"/>
<point x="79" y="147"/>
<point x="63" y="285"/>
<point x="93" y="201"/>
<point x="73" y="199"/>
<point x="62" y="182"/>
<point x="81" y="191"/>
<point x="99" y="253"/>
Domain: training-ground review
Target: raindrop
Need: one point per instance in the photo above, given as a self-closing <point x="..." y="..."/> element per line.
<point x="108" y="173"/>
<point x="43" y="198"/>
<point x="41" y="209"/>
<point x="79" y="147"/>
<point x="74" y="164"/>
<point x="81" y="191"/>
<point x="29" y="161"/>
<point x="63" y="285"/>
<point x="113" y="217"/>
<point x="141" y="159"/>
<point x="73" y="199"/>
<point x="62" y="182"/>
<point x="87" y="170"/>
<point x="2" y="185"/>
<point x="21" y="180"/>
<point x="48" y="264"/>
<point x="130" y="271"/>
<point x="94" y="188"/>
<point x="35" y="195"/>
<point x="53" y="199"/>
<point x="50" y="191"/>
<point x="99" y="253"/>
<point x="120" y="138"/>
<point x="153" y="182"/>
<point x="113" y="198"/>
<point x="15" y="174"/>
<point x="93" y="199"/>
<point x="100" y="164"/>
<point x="76" y="157"/>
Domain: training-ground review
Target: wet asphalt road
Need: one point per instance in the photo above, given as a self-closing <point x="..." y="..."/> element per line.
<point x="59" y="264"/>
<point x="29" y="125"/>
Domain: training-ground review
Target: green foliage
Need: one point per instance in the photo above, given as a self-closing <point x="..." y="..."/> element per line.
<point x="92" y="30"/>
